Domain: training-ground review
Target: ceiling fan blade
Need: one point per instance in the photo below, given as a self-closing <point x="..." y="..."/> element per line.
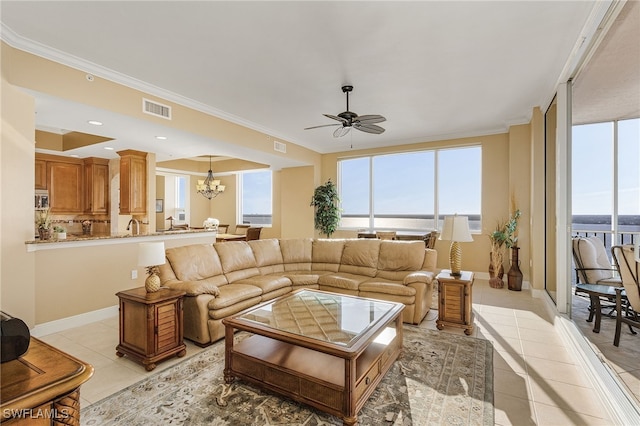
<point x="341" y="131"/>
<point x="322" y="125"/>
<point x="335" y="117"/>
<point x="369" y="128"/>
<point x="370" y="119"/>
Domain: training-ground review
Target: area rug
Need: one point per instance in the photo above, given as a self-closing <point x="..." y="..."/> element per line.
<point x="440" y="379"/>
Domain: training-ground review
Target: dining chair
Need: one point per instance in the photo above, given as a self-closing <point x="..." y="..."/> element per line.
<point x="386" y="235"/>
<point x="253" y="233"/>
<point x="223" y="229"/>
<point x="241" y="229"/>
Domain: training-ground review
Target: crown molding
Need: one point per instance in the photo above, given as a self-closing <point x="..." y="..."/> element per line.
<point x="21" y="43"/>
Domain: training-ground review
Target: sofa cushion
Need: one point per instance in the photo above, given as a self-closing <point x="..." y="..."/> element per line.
<point x="398" y="257"/>
<point x="237" y="259"/>
<point x="234" y="293"/>
<point x="296" y="254"/>
<point x="194" y="262"/>
<point x="302" y="278"/>
<point x="426" y="277"/>
<point x="360" y="257"/>
<point x="326" y="254"/>
<point x="267" y="283"/>
<point x="342" y="280"/>
<point x="268" y="255"/>
<point x="194" y="288"/>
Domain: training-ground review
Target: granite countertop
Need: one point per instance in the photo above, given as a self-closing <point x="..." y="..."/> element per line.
<point x="104" y="236"/>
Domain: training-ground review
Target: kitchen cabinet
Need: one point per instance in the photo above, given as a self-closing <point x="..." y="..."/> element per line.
<point x="133" y="182"/>
<point x="65" y="185"/>
<point x="41" y="174"/>
<point x="96" y="185"/>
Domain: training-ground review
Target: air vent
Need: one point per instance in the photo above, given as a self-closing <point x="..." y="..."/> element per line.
<point x="154" y="108"/>
<point x="280" y="147"/>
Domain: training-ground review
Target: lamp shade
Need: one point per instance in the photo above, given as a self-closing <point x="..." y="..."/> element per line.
<point x="456" y="228"/>
<point x="151" y="254"/>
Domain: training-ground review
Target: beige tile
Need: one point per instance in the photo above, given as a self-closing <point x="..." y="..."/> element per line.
<point x="107" y="380"/>
<point x="550" y="415"/>
<point x="511" y="383"/>
<point x="563" y="395"/>
<point x="546" y="351"/>
<point x="507" y="344"/>
<point x="510" y="410"/>
<point x="509" y="361"/>
<point x="537" y="324"/>
<point x="551" y="338"/>
<point x="540" y="369"/>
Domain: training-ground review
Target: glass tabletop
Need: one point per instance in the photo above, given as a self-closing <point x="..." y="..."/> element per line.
<point x="328" y="317"/>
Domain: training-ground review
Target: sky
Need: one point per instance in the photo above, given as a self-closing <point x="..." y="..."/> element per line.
<point x="592" y="168"/>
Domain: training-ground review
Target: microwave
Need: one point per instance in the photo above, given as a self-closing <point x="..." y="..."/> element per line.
<point x="42" y="199"/>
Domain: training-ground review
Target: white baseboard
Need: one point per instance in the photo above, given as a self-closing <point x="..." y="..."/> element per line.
<point x="74" y="321"/>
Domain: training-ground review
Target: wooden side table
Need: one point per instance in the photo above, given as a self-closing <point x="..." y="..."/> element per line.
<point x="42" y="387"/>
<point x="455" y="301"/>
<point x="151" y="325"/>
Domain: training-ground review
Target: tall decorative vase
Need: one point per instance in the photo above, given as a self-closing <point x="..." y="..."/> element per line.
<point x="495" y="280"/>
<point x="514" y="276"/>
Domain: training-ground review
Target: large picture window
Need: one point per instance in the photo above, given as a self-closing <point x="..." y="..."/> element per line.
<point x="407" y="191"/>
<point x="255" y="198"/>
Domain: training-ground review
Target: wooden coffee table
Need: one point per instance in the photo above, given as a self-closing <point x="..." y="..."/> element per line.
<point x="326" y="350"/>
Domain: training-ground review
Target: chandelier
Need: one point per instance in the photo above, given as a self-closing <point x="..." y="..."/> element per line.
<point x="209" y="187"/>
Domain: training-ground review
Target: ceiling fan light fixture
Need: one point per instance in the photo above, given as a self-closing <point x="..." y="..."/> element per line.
<point x="350" y="119"/>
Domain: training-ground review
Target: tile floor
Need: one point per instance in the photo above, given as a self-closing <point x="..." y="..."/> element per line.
<point x="536" y="379"/>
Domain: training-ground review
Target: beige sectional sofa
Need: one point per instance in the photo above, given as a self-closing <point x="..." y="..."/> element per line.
<point x="225" y="278"/>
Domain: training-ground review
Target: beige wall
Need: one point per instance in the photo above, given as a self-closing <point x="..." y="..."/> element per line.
<point x="74" y="280"/>
<point x="297" y="186"/>
<point x="17" y="272"/>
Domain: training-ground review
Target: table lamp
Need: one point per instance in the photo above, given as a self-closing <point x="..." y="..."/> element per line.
<point x="456" y="230"/>
<point x="150" y="255"/>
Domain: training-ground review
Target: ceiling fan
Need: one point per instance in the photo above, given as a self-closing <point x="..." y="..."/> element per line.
<point x="348" y="119"/>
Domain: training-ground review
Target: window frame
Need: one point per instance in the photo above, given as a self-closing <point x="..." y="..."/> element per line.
<point x="437" y="218"/>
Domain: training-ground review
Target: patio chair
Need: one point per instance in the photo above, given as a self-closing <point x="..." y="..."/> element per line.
<point x="593" y="267"/>
<point x="253" y="233"/>
<point x="629" y="269"/>
<point x="592" y="264"/>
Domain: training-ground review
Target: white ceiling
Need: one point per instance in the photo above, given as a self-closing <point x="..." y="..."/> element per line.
<point x="435" y="70"/>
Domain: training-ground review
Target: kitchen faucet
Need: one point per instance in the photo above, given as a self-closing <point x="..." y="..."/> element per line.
<point x="137" y="226"/>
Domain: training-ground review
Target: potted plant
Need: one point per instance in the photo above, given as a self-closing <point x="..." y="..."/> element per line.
<point x="61" y="233"/>
<point x="514" y="276"/>
<point x="43" y="224"/>
<point x="496" y="269"/>
<point x="327" y="214"/>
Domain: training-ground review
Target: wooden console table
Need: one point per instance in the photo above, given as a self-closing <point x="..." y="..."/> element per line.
<point x="42" y="387"/>
<point x="455" y="301"/>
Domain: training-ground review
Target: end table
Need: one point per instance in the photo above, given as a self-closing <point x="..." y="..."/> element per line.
<point x="151" y="325"/>
<point x="455" y="301"/>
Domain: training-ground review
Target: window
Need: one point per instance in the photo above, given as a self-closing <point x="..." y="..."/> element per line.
<point x="406" y="191"/>
<point x="255" y="198"/>
<point x="606" y="189"/>
<point x="176" y="198"/>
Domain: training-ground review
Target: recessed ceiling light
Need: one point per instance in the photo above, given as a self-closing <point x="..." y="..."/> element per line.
<point x="108" y="148"/>
<point x="162" y="138"/>
<point x="95" y="122"/>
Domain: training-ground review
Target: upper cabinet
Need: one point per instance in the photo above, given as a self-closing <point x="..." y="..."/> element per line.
<point x="133" y="182"/>
<point x="41" y="174"/>
<point x="64" y="182"/>
<point x="75" y="186"/>
<point x="96" y="185"/>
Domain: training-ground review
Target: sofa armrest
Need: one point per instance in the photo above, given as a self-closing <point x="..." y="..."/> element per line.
<point x="193" y="288"/>
<point x="419" y="277"/>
